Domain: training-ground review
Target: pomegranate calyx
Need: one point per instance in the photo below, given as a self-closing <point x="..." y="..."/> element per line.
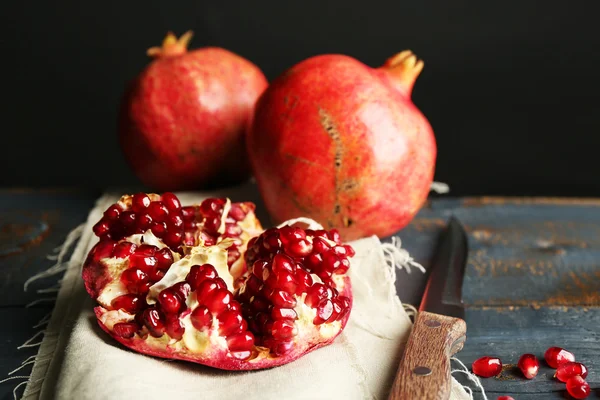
<point x="171" y="46"/>
<point x="404" y="69"/>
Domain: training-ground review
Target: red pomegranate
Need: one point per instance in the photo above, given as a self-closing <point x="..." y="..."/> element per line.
<point x="170" y="283"/>
<point x="183" y="120"/>
<point x="342" y="143"/>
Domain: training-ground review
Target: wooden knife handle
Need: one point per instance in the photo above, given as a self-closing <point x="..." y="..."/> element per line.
<point x="424" y="372"/>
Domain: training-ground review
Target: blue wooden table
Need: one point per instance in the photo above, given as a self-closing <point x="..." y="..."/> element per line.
<point x="532" y="281"/>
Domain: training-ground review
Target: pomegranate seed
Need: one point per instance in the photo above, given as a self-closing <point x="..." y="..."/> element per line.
<point x="188" y="213"/>
<point x="259" y="267"/>
<point x="146" y="250"/>
<point x="236" y="212"/>
<point x="578" y="387"/>
<point x="233" y="229"/>
<point x="240" y="341"/>
<point x="330" y="262"/>
<point x="173" y="327"/>
<point x="349" y="251"/>
<point x="253" y="285"/>
<point x="315" y="294"/>
<point x="159" y="229"/>
<point x="205" y="289"/>
<point x="234" y="306"/>
<point x="173" y="238"/>
<point x="112" y="213"/>
<point x="189" y="226"/>
<point x="283" y="313"/>
<point x="570" y="369"/>
<point x="233" y="254"/>
<point x="334" y="235"/>
<point x="304" y="280"/>
<point x="340" y="250"/>
<point x="271" y="243"/>
<point x="169" y="301"/>
<point x="131" y="303"/>
<point x="299" y="248"/>
<point x="125" y="330"/>
<point x="220" y="283"/>
<point x="283" y="329"/>
<point x="324" y="312"/>
<point x="164" y="258"/>
<point x="282" y="263"/>
<point x="210" y="207"/>
<point x="124" y="249"/>
<point x="230" y="322"/>
<point x="259" y="304"/>
<point x="343" y="268"/>
<point x="154" y="321"/>
<point x="143" y="222"/>
<point x="555" y="356"/>
<point x="337" y="309"/>
<point x="133" y="279"/>
<point x="171" y="201"/>
<point x="140" y="202"/>
<point x="487" y="367"/>
<point x="145" y="263"/>
<point x="182" y="289"/>
<point x="201" y="318"/>
<point x="287" y="282"/>
<point x="157" y="274"/>
<point x="320" y="246"/>
<point x="344" y="304"/>
<point x="314" y="262"/>
<point x="505" y="398"/>
<point x="212" y="225"/>
<point x="283" y="299"/>
<point x="199" y="274"/>
<point x="175" y="221"/>
<point x="101" y="228"/>
<point x="321" y="233"/>
<point x="529" y="365"/>
<point x="127" y="219"/>
<point x="158" y="211"/>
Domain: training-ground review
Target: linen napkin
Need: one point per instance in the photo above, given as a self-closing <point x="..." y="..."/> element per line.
<point x="77" y="360"/>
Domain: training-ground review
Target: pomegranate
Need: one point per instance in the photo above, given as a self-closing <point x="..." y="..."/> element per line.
<point x="570" y="369"/>
<point x="189" y="299"/>
<point x="486" y="367"/>
<point x="578" y="388"/>
<point x="183" y="120"/>
<point x="555" y="356"/>
<point x="529" y="365"/>
<point x="342" y="143"/>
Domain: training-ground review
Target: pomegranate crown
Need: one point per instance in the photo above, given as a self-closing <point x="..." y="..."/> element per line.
<point x="171" y="46"/>
<point x="404" y="68"/>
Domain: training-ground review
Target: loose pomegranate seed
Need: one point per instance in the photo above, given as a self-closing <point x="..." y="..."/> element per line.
<point x="169" y="301"/>
<point x="201" y="318"/>
<point x="570" y="369"/>
<point x="171" y="201"/>
<point x="134" y="280"/>
<point x="101" y="228"/>
<point x="529" y="365"/>
<point x="487" y="367"/>
<point x="125" y="330"/>
<point x="188" y="213"/>
<point x="505" y="398"/>
<point x="164" y="258"/>
<point x="283" y="329"/>
<point x="282" y="299"/>
<point x="131" y="303"/>
<point x="158" y="211"/>
<point x="140" y="202"/>
<point x="112" y="213"/>
<point x="124" y="249"/>
<point x="173" y="327"/>
<point x="236" y="212"/>
<point x="243" y="341"/>
<point x="299" y="248"/>
<point x="154" y="321"/>
<point x="324" y="312"/>
<point x="199" y="274"/>
<point x="230" y="322"/>
<point x="159" y="229"/>
<point x="555" y="356"/>
<point x="578" y="387"/>
<point x="283" y="313"/>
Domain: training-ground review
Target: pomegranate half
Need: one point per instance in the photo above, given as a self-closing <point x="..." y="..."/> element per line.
<point x="342" y="143"/>
<point x="184" y="292"/>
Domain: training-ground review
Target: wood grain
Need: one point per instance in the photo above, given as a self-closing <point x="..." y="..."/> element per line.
<point x="434" y="339"/>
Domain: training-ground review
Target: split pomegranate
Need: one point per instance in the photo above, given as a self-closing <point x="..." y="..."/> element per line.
<point x="570" y="369"/>
<point x="529" y="365"/>
<point x="578" y="387"/>
<point x="342" y="143"/>
<point x="555" y="356"/>
<point x="486" y="367"/>
<point x="184" y="118"/>
<point x="187" y="300"/>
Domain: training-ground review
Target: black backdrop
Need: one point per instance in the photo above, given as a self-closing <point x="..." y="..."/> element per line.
<point x="511" y="88"/>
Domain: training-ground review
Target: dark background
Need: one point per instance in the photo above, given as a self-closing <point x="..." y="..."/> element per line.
<point x="511" y="88"/>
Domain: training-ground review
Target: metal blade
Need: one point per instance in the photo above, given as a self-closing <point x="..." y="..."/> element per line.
<point x="443" y="293"/>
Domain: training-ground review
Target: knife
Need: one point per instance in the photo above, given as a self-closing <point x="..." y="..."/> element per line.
<point x="439" y="330"/>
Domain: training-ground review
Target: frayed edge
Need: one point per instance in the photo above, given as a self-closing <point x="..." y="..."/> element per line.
<point x="42" y="300"/>
<point x="28" y="342"/>
<point x="398" y="257"/>
<point x="464" y="370"/>
<point x="440" y="187"/>
<point x="59" y="266"/>
<point x="45" y="319"/>
<point x="411" y="311"/>
<point x="310" y="223"/>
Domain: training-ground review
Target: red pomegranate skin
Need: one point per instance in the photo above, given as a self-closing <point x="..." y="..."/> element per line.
<point x="342" y="143"/>
<point x="183" y="120"/>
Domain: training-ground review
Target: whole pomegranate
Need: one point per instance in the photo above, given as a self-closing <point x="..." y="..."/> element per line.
<point x="183" y="120"/>
<point x="203" y="284"/>
<point x="342" y="143"/>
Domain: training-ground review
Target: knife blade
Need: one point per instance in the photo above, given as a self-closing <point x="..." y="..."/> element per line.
<point x="439" y="331"/>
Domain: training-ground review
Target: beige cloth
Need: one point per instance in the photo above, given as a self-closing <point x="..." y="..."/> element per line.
<point x="79" y="361"/>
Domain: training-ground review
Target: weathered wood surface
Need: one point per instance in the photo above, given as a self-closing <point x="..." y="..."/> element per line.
<point x="533" y="278"/>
